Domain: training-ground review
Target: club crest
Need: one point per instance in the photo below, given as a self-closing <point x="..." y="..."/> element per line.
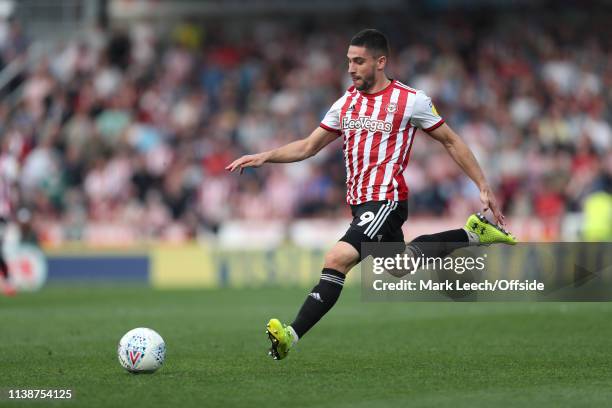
<point x="433" y="109"/>
<point x="392" y="107"/>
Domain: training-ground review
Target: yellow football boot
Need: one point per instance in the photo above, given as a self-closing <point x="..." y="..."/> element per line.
<point x="487" y="232"/>
<point x="280" y="337"/>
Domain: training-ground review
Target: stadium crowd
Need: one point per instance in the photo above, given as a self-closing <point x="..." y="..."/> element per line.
<point x="134" y="127"/>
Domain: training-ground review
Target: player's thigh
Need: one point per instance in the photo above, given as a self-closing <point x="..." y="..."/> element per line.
<point x="376" y="221"/>
<point x="342" y="257"/>
<point x="391" y="229"/>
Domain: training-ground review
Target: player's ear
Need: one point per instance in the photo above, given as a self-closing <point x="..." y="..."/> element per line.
<point x="381" y="62"/>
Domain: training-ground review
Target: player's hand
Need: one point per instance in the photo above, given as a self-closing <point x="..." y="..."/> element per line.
<point x="490" y="203"/>
<point x="250" y="160"/>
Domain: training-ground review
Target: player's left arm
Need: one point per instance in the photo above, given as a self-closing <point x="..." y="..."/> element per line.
<point x="464" y="157"/>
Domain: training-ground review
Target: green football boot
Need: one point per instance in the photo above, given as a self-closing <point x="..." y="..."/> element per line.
<point x="487" y="232"/>
<point x="281" y="339"/>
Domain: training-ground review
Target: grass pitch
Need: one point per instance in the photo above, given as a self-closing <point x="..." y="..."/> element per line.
<point x="360" y="355"/>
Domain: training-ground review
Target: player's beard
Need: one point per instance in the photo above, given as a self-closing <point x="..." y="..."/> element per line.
<point x="367" y="82"/>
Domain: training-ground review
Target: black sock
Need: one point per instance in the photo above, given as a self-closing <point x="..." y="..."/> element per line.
<point x="440" y="244"/>
<point x="320" y="300"/>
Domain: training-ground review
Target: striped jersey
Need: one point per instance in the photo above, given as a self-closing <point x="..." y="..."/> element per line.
<point x="378" y="131"/>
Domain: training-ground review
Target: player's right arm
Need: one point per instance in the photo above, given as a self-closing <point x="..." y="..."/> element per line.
<point x="426" y="117"/>
<point x="289" y="153"/>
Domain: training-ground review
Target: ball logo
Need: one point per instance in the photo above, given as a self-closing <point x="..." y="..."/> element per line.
<point x="392" y="107"/>
<point x="134" y="357"/>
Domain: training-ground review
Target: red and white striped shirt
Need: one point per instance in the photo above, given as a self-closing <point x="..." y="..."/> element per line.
<point x="378" y="132"/>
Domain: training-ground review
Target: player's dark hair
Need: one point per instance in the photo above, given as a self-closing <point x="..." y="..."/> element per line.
<point x="373" y="40"/>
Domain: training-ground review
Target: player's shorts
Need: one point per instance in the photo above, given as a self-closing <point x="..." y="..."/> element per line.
<point x="376" y="221"/>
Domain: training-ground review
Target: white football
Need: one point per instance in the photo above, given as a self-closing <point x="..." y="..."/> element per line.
<point x="141" y="350"/>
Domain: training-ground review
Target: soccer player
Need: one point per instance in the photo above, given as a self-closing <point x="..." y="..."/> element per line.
<point x="8" y="168"/>
<point x="6" y="287"/>
<point x="377" y="118"/>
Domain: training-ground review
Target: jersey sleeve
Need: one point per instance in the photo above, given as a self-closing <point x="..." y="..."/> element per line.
<point x="425" y="116"/>
<point x="331" y="120"/>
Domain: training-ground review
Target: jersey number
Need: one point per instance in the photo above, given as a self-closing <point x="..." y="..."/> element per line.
<point x="365" y="218"/>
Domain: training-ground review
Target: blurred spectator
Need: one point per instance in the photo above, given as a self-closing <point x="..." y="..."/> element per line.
<point x="126" y="127"/>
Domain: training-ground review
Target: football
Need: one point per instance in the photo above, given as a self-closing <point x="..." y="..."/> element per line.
<point x="141" y="350"/>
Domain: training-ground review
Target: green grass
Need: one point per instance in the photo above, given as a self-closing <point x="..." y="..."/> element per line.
<point x="360" y="355"/>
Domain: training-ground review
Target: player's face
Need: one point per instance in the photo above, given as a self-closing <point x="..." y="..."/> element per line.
<point x="362" y="67"/>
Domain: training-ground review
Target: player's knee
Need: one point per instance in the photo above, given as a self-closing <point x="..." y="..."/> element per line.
<point x="338" y="261"/>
